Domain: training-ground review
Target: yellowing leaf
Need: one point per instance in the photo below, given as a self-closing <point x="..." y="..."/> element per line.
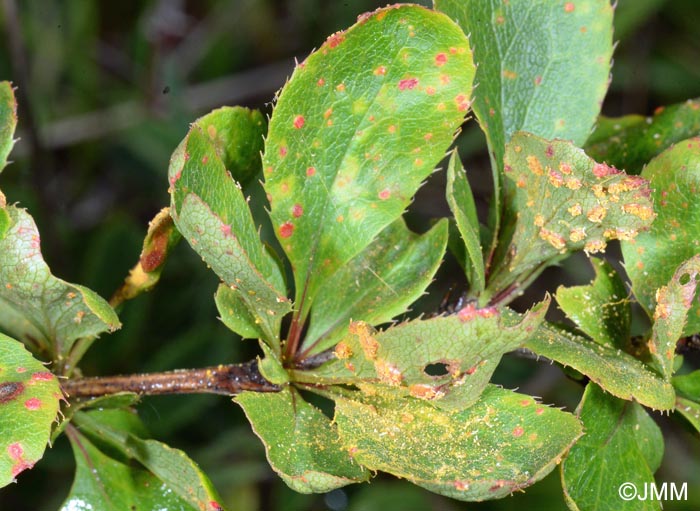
<point x="560" y="200"/>
<point x="446" y="361"/>
<point x="503" y="443"/>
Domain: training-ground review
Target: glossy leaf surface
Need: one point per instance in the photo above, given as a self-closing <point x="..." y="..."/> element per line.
<point x="533" y="56"/>
<point x="360" y="124"/>
<point x="622" y="444"/>
<point x="630" y="142"/>
<point x="173" y="471"/>
<point x="378" y="284"/>
<point x="105" y="483"/>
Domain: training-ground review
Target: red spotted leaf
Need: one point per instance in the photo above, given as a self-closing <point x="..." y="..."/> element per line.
<point x="29" y="399"/>
<point x="360" y="124"/>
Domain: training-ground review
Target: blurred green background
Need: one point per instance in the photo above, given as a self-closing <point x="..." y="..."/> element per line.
<point x="107" y="90"/>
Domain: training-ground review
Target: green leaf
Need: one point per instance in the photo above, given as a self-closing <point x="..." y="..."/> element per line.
<point x="209" y="209"/>
<point x="690" y="410"/>
<point x="104" y="483"/>
<point x="560" y="200"/>
<point x="614" y="370"/>
<point x="46" y="313"/>
<point x="378" y="284"/>
<point x="237" y="135"/>
<point x="447" y="361"/>
<point x="5" y="220"/>
<point x="8" y="123"/>
<point x="235" y="313"/>
<point x="688" y="385"/>
<point x="601" y="309"/>
<point x="674" y="237"/>
<point x="461" y="201"/>
<point x="345" y="151"/>
<point x="301" y="443"/>
<point x="673" y="302"/>
<point x="630" y="142"/>
<point x="622" y="444"/>
<point x="503" y="443"/>
<point x="29" y="399"/>
<point x="271" y="367"/>
<point x="543" y="67"/>
<point x="160" y="239"/>
<point x="121" y="430"/>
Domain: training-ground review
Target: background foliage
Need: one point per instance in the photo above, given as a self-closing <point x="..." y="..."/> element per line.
<point x="106" y="92"/>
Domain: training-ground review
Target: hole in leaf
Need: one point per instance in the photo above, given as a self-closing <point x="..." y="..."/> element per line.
<point x="436" y="369"/>
<point x="685" y="278"/>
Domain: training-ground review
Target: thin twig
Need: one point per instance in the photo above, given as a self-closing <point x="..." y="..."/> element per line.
<point x="228" y="380"/>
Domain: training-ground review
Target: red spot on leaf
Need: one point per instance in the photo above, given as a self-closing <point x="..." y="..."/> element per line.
<point x="299" y="121"/>
<point x="21" y="369"/>
<point x="32" y="404"/>
<point x="310" y="171"/>
<point x="440" y="59"/>
<point x="525" y="402"/>
<point x="385" y="194"/>
<point x="335" y="39"/>
<point x="380" y="71"/>
<point x="43" y="376"/>
<point x="286" y="229"/>
<point x="601" y="170"/>
<point x="518" y="431"/>
<point x="549" y="151"/>
<point x="471" y="370"/>
<point x="21" y="467"/>
<point x="215" y="505"/>
<point x="226" y="230"/>
<point x="15" y="451"/>
<point x="498" y="485"/>
<point x="408" y="83"/>
<point x="174" y="178"/>
<point x="205" y="159"/>
<point x="463" y="102"/>
<point x="470" y="312"/>
<point x="538" y="80"/>
<point x="569" y="7"/>
<point x="283" y="151"/>
<point x="539" y="411"/>
<point x="321" y="82"/>
<point x="297" y="210"/>
<point x="430" y="91"/>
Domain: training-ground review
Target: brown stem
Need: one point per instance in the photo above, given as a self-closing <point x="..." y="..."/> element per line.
<point x="222" y="379"/>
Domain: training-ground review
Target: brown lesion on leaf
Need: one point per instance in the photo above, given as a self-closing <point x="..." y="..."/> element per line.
<point x="9" y="390"/>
